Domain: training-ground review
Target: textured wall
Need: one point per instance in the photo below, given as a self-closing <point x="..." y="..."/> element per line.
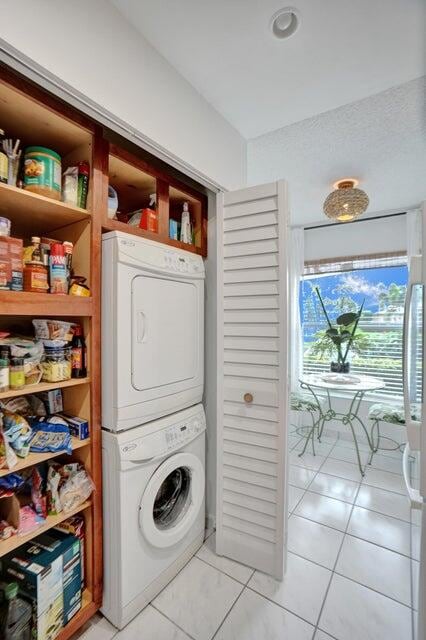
<point x="381" y="140"/>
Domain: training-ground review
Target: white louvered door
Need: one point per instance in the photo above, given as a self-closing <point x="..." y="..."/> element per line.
<point x="252" y="376"/>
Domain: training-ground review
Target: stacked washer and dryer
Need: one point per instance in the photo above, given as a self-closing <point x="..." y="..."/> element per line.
<point x="153" y="436"/>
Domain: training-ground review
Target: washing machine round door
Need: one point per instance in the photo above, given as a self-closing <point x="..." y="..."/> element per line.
<point x="172" y="500"/>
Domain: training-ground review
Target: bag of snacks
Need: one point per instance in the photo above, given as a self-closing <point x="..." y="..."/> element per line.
<point x="76" y="489"/>
<point x="52" y="493"/>
<point x="53" y="330"/>
<point x="18" y="432"/>
<point x="7" y="455"/>
<point x="51" y="435"/>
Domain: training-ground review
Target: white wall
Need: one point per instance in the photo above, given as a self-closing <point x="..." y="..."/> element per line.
<point x="380" y="140"/>
<point x="89" y="45"/>
<point x="365" y="237"/>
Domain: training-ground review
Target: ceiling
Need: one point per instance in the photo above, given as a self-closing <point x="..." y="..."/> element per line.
<point x="381" y="140"/>
<point x="343" y="51"/>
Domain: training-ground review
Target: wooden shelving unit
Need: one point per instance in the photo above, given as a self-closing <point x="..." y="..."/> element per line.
<point x="36" y="118"/>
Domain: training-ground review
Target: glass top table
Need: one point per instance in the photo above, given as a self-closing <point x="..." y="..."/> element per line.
<point x="358" y="386"/>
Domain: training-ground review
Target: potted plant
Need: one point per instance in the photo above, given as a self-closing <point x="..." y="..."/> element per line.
<point x="340" y="338"/>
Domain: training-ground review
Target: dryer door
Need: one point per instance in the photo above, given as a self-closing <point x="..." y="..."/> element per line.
<point x="165" y="333"/>
<point x="172" y="500"/>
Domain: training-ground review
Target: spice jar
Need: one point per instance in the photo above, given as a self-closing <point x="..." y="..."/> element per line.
<point x="56" y="365"/>
<point x="4" y="374"/>
<point x="17" y="374"/>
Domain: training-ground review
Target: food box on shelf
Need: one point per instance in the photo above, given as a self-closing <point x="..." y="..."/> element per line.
<point x="77" y="527"/>
<point x="47" y="571"/>
<point x="52" y="401"/>
<point x="11" y="267"/>
<point x="79" y="427"/>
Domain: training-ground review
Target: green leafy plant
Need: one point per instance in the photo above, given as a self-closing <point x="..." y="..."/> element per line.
<point x="341" y="337"/>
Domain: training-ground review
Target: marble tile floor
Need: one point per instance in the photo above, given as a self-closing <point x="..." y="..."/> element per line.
<point x="351" y="567"/>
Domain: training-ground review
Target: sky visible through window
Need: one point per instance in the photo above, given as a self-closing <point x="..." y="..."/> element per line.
<point x="380" y="346"/>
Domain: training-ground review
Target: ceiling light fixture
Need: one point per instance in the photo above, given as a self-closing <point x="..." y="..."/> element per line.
<point x="285" y="22"/>
<point x="346" y="202"/>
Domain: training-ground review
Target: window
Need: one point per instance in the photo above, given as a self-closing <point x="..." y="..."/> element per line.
<point x="344" y="284"/>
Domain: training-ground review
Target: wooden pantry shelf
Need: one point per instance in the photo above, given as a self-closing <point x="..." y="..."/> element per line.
<point x="116" y="225"/>
<point x="6" y="546"/>
<point x="25" y="303"/>
<point x="43" y="386"/>
<point x="35" y="458"/>
<point x="29" y="212"/>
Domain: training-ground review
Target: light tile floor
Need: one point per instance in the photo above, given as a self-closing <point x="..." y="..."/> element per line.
<point x="349" y="573"/>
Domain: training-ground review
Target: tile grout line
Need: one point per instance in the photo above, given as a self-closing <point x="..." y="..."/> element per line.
<point x="228" y="612"/>
<point x="171" y="621"/>
<point x="335" y="565"/>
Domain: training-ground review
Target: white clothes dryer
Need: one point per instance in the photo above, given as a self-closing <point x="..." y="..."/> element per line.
<point x="152" y="330"/>
<point x="154" y="508"/>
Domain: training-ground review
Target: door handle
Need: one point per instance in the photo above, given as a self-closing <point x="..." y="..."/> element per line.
<point x="412" y="426"/>
<point x="248" y="397"/>
<point x="140" y="327"/>
<point x="413" y="494"/>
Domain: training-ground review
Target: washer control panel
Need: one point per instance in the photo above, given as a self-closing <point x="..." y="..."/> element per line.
<point x="162" y="442"/>
<point x="180" y="434"/>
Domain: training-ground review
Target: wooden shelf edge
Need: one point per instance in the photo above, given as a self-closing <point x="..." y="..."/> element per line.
<point x="24" y="303"/>
<point x="36" y="458"/>
<point x="116" y="225"/>
<point x="12" y="194"/>
<point x="6" y="546"/>
<point x="43" y="386"/>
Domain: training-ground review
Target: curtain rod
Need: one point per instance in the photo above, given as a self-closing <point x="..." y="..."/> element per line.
<point x="333" y="224"/>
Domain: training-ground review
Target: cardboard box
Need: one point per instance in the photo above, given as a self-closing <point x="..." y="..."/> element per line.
<point x="52" y="400"/>
<point x="77" y="527"/>
<point x="11" y="265"/>
<point x="39" y="577"/>
<point x="79" y="427"/>
<point x="47" y="571"/>
<point x="71" y="571"/>
<point x="16" y="256"/>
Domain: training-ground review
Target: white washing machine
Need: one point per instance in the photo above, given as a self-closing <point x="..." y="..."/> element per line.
<point x="152" y="330"/>
<point x="154" y="508"/>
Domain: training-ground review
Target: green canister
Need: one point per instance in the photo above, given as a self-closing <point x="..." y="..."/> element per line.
<point x="43" y="172"/>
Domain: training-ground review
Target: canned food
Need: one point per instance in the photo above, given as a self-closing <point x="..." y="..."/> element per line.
<point x="42" y="172"/>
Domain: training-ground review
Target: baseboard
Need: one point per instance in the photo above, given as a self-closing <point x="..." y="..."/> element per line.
<point x="210" y="524"/>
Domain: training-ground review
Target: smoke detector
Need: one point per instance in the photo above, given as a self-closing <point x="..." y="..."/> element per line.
<point x="285" y="22"/>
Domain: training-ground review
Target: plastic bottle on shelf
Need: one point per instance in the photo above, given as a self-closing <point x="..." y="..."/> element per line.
<point x="185" y="227"/>
<point x="58" y="269"/>
<point x="15" y="615"/>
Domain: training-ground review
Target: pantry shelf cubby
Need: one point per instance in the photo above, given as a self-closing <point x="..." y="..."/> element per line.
<point x="36" y="458"/>
<point x="14" y="542"/>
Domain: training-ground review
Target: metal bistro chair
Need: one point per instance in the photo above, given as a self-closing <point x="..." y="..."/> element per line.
<point x="300" y="401"/>
<point x="390" y="414"/>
